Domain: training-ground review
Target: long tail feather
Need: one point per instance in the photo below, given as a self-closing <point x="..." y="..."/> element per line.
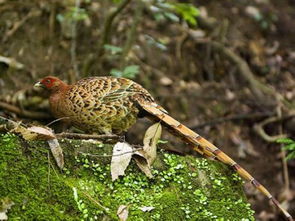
<point x="205" y="148"/>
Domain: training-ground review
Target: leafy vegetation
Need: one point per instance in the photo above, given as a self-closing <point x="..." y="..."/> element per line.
<point x="289" y="145"/>
<point x="128" y="72"/>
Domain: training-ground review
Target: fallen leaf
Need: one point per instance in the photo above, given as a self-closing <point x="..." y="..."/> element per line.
<point x="122" y="212"/>
<point x="142" y="163"/>
<point x="150" y="140"/>
<point x="56" y="151"/>
<point x="36" y="133"/>
<point x="5" y="205"/>
<point x="147" y="208"/>
<point x="122" y="153"/>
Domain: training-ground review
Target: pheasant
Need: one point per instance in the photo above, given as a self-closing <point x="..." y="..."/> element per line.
<point x="112" y="105"/>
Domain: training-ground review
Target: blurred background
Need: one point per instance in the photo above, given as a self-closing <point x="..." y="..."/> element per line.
<point x="224" y="68"/>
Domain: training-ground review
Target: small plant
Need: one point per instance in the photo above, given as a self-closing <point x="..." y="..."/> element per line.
<point x="112" y="49"/>
<point x="174" y="11"/>
<point x="73" y="14"/>
<point x="80" y="204"/>
<point x="187" y="11"/>
<point x="128" y="72"/>
<point x="289" y="145"/>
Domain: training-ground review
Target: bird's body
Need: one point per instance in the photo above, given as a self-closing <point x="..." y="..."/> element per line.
<point x="99" y="104"/>
<point x="112" y="105"/>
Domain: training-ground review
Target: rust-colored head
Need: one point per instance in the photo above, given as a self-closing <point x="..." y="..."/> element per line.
<point x="51" y="83"/>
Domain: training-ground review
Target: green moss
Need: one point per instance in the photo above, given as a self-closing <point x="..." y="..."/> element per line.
<point x="183" y="188"/>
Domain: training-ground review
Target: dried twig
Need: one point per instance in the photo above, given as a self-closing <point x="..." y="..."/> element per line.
<point x="107" y="210"/>
<point x="24" y="113"/>
<point x="284" y="162"/>
<point x="259" y="128"/>
<point x="110" y="155"/>
<point x="87" y="136"/>
<point x="17" y="25"/>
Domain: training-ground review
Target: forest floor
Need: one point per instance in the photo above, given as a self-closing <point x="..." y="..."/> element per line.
<point x="223" y="78"/>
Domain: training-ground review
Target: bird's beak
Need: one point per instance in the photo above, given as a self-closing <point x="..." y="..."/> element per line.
<point x="38" y="85"/>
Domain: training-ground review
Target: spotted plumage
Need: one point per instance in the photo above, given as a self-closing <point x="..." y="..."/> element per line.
<point x="112" y="105"/>
<point x="99" y="104"/>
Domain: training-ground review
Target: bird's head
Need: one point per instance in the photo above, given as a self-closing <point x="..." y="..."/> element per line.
<point x="51" y="83"/>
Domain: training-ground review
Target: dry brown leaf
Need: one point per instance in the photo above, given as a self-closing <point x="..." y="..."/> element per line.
<point x="36" y="133"/>
<point x="44" y="133"/>
<point x="122" y="212"/>
<point x="150" y="140"/>
<point x="142" y="163"/>
<point x="56" y="152"/>
<point x="122" y="153"/>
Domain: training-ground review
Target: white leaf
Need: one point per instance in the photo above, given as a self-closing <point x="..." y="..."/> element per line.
<point x="56" y="152"/>
<point x="122" y="212"/>
<point x="122" y="153"/>
<point x="147" y="208"/>
<point x="36" y="133"/>
<point x="3" y="216"/>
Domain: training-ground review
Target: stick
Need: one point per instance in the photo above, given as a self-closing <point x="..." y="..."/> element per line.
<point x="87" y="136"/>
<point x="24" y="113"/>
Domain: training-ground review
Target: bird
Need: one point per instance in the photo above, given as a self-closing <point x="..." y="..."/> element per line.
<point x="111" y="105"/>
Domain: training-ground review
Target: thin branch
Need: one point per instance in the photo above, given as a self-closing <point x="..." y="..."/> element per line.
<point x="107" y="210"/>
<point x="17" y="25"/>
<point x="87" y="136"/>
<point x="24" y="113"/>
<point x="56" y="120"/>
<point x="110" y="155"/>
<point x="259" y="128"/>
<point x="105" y="36"/>
<point x="283" y="152"/>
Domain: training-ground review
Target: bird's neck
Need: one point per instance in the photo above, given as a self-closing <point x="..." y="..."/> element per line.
<point x="59" y="89"/>
<point x="56" y="99"/>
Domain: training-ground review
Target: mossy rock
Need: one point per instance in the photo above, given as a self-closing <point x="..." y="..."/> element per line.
<point x="183" y="188"/>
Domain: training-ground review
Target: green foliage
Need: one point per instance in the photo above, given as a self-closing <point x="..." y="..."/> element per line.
<point x="113" y="49"/>
<point x="187" y="11"/>
<point x="73" y="14"/>
<point x="81" y="205"/>
<point x="289" y="145"/>
<point x="172" y="11"/>
<point x="128" y="72"/>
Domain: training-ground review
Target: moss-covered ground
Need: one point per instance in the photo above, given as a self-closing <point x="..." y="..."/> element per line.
<point x="183" y="188"/>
